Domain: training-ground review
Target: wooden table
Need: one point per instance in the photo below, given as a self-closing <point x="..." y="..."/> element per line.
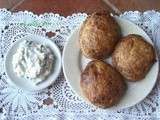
<point x="67" y="7"/>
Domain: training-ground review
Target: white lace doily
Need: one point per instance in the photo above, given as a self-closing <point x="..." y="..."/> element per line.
<point x="58" y="101"/>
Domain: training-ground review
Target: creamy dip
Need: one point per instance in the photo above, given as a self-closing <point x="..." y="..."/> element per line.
<point x="33" y="61"/>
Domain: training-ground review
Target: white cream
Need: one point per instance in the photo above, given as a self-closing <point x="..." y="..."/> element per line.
<point x="33" y="61"/>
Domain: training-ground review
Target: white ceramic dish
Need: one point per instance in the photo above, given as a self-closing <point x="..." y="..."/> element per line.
<point x="24" y="83"/>
<point x="74" y="62"/>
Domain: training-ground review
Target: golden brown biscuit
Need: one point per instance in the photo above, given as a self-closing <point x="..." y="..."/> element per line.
<point x="99" y="35"/>
<point x="133" y="57"/>
<point x="102" y="84"/>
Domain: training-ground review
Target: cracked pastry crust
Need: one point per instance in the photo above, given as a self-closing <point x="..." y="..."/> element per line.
<point x="133" y="57"/>
<point x="102" y="84"/>
<point x="98" y="35"/>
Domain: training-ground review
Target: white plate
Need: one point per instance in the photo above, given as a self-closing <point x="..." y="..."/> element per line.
<point x="73" y="63"/>
<point x="24" y="83"/>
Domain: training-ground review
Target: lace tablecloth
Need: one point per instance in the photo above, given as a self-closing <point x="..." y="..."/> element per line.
<point x="59" y="101"/>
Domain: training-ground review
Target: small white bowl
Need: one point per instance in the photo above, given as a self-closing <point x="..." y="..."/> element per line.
<point x="24" y="83"/>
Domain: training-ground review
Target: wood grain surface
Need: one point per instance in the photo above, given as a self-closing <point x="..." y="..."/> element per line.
<point x="67" y="7"/>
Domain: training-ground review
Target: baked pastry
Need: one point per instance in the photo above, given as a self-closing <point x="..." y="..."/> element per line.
<point x="102" y="84"/>
<point x="133" y="57"/>
<point x="99" y="35"/>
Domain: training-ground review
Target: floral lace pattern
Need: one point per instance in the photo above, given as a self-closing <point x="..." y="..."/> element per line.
<point x="58" y="100"/>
